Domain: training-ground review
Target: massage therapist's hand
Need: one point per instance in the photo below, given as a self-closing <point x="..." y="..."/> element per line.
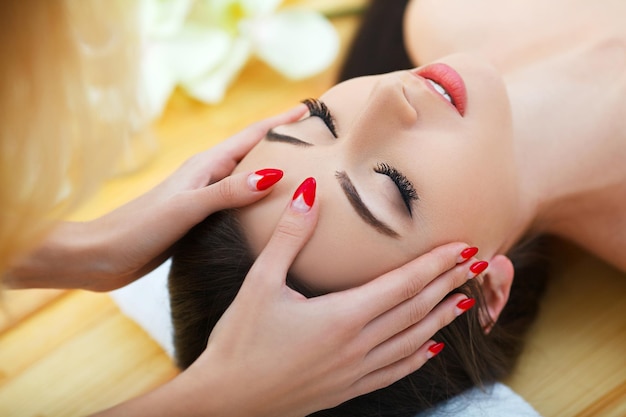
<point x="114" y="250"/>
<point x="275" y="353"/>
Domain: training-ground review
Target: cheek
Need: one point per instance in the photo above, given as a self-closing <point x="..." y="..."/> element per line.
<point x="473" y="196"/>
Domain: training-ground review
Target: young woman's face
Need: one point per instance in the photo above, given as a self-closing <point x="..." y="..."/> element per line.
<point x="401" y="171"/>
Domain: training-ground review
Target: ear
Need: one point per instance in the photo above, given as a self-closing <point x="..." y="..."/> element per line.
<point x="496" y="286"/>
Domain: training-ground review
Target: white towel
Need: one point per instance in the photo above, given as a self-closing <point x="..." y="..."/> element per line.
<point x="497" y="400"/>
<point x="146" y="301"/>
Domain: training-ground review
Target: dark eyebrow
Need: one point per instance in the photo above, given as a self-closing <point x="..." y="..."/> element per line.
<point x="361" y="209"/>
<point x="272" y="136"/>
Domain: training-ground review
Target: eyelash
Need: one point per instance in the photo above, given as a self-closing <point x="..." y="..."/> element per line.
<point x="407" y="191"/>
<point x="319" y="109"/>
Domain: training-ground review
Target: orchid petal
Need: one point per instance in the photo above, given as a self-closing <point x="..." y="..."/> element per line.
<point x="210" y="88"/>
<point x="214" y="13"/>
<point x="235" y="9"/>
<point x="296" y="43"/>
<point x="195" y="51"/>
<point x="156" y="83"/>
<point x="162" y="18"/>
<point x="260" y="7"/>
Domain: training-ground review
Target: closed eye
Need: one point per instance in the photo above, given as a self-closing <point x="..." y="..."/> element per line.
<point x="319" y="109"/>
<point x="407" y="191"/>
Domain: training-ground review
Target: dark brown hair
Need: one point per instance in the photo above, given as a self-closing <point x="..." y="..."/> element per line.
<point x="212" y="260"/>
<point x="378" y="46"/>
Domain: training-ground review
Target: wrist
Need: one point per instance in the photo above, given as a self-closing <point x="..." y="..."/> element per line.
<point x="236" y="389"/>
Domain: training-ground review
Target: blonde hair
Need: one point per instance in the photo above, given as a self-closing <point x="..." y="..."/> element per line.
<point x="68" y="88"/>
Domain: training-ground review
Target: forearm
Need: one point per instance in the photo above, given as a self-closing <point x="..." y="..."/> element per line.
<point x="167" y="400"/>
<point x="208" y="393"/>
<point x="69" y="257"/>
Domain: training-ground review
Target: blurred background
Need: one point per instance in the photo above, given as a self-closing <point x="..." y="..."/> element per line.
<point x="69" y="353"/>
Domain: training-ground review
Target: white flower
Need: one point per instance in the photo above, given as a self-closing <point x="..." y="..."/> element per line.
<point x="202" y="45"/>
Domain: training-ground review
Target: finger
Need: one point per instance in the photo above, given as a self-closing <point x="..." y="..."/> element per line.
<point x="405" y="343"/>
<point x="416" y="308"/>
<point x="408" y="351"/>
<point x="390" y="374"/>
<point x="237" y="190"/>
<point x="237" y="146"/>
<point x="290" y="235"/>
<point x="401" y="284"/>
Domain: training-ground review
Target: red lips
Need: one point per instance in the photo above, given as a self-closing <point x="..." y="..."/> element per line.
<point x="450" y="80"/>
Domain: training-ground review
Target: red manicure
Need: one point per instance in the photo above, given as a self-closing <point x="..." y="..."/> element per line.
<point x="265" y="178"/>
<point x="464" y="305"/>
<point x="468" y="253"/>
<point x="435" y="349"/>
<point x="304" y="196"/>
<point x="478" y="267"/>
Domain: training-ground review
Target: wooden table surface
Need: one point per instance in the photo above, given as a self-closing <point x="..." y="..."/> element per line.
<point x="69" y="353"/>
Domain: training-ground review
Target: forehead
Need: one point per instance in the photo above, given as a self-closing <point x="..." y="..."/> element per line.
<point x="343" y="252"/>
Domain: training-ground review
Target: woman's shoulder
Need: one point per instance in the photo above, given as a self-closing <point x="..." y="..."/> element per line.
<point x="435" y="28"/>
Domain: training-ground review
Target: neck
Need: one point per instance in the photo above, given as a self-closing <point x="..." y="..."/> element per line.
<point x="570" y="152"/>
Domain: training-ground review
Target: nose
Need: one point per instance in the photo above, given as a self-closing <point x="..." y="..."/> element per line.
<point x="383" y="115"/>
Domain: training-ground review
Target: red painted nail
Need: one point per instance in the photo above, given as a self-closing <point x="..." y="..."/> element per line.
<point x="264" y="178"/>
<point x="304" y="196"/>
<point x="464" y="305"/>
<point x="478" y="267"/>
<point x="468" y="253"/>
<point x="435" y="349"/>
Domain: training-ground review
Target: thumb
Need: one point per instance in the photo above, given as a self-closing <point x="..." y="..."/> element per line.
<point x="237" y="190"/>
<point x="294" y="229"/>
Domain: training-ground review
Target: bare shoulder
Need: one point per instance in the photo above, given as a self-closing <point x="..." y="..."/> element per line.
<point x="435" y="28"/>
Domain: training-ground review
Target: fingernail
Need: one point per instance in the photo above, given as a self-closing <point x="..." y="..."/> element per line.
<point x="304" y="196"/>
<point x="264" y="178"/>
<point x="434" y="350"/>
<point x="464" y="305"/>
<point x="468" y="253"/>
<point x="478" y="267"/>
